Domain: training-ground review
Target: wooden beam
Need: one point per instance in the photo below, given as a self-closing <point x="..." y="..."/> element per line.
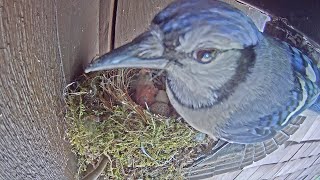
<point x="107" y="10"/>
<point x="32" y="126"/>
<point x="43" y="45"/>
<point x="134" y="17"/>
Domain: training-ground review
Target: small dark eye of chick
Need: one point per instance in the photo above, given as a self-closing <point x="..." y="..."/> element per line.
<point x="205" y="56"/>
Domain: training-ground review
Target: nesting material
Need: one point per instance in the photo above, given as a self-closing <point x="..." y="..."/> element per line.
<point x="103" y="119"/>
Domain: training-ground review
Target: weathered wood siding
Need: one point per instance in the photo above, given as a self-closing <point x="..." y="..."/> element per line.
<point x="43" y="45"/>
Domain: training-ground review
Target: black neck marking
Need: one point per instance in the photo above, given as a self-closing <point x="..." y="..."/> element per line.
<point x="246" y="62"/>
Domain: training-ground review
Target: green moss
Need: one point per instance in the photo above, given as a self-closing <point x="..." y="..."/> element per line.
<point x="103" y="119"/>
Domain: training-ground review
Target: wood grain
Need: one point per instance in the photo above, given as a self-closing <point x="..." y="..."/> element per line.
<point x="31" y="120"/>
<point x="43" y="44"/>
<point x="106" y="25"/>
<point x="133" y="18"/>
<point x="78" y="29"/>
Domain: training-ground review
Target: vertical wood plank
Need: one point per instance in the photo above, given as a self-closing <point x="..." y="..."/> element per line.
<point x="78" y="29"/>
<point x="31" y="82"/>
<point x="84" y="30"/>
<point x="134" y="17"/>
<point x="106" y="23"/>
<point x="42" y="45"/>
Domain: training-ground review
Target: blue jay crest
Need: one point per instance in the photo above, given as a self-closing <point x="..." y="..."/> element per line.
<point x="225" y="78"/>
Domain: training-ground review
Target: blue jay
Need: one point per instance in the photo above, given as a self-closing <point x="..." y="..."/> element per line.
<point x="223" y="76"/>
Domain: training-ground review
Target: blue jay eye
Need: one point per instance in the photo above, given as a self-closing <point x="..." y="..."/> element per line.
<point x="205" y="56"/>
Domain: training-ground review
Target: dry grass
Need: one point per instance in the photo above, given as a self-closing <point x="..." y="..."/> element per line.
<point x="102" y="119"/>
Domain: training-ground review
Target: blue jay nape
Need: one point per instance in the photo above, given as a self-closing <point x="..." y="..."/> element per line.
<point x="223" y="76"/>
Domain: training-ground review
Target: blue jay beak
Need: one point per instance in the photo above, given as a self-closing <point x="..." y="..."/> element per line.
<point x="128" y="56"/>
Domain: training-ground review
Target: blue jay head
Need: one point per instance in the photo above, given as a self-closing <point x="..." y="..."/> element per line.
<point x="205" y="47"/>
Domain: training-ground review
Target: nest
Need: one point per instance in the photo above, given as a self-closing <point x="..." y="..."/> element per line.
<point x="104" y="120"/>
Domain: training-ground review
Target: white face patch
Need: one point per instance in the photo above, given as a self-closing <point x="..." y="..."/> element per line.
<point x="198" y="84"/>
<point x="153" y="45"/>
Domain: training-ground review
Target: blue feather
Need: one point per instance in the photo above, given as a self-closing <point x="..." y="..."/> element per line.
<point x="307" y="71"/>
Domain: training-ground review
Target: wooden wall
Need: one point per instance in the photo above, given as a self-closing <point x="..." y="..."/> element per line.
<point x="43" y="45"/>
